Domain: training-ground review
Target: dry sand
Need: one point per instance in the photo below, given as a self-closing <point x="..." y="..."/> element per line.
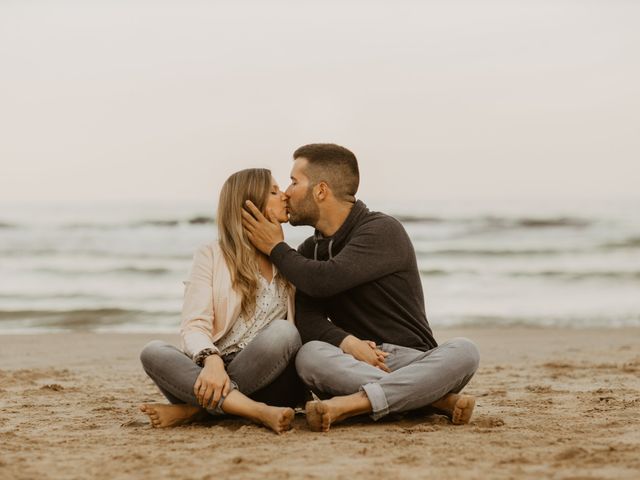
<point x="552" y="403"/>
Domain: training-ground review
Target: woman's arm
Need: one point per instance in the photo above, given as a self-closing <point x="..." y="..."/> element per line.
<point x="196" y="328"/>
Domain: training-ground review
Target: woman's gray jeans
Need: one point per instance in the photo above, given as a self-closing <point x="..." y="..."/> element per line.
<point x="263" y="370"/>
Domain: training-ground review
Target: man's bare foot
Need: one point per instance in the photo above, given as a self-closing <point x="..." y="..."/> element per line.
<point x="322" y="414"/>
<point x="457" y="406"/>
<point x="163" y="415"/>
<point x="319" y="417"/>
<point x="277" y="419"/>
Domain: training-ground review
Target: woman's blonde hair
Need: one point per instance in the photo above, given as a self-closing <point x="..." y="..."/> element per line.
<point x="240" y="255"/>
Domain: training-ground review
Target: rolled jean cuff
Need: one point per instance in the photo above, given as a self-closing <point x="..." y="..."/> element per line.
<point x="218" y="410"/>
<point x="378" y="399"/>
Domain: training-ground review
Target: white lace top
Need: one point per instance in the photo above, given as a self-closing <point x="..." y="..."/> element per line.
<point x="271" y="304"/>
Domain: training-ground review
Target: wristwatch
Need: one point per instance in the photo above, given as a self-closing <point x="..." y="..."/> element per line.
<point x="202" y="355"/>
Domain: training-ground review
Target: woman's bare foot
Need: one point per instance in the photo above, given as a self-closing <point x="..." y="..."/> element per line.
<point x="163" y="415"/>
<point x="457" y="406"/>
<point x="277" y="419"/>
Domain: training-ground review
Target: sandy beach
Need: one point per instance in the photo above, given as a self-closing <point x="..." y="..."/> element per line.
<point x="552" y="403"/>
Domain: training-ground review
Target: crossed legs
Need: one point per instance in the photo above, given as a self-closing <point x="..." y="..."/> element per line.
<point x="417" y="379"/>
<point x="258" y="365"/>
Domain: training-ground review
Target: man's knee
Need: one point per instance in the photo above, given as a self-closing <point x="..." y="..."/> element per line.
<point x="468" y="353"/>
<point x="309" y="359"/>
<point x="152" y="352"/>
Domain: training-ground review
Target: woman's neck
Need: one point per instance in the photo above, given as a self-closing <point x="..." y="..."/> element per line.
<point x="265" y="266"/>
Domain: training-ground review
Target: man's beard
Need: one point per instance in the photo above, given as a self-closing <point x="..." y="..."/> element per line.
<point x="306" y="212"/>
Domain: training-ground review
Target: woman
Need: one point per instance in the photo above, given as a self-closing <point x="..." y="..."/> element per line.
<point x="238" y="336"/>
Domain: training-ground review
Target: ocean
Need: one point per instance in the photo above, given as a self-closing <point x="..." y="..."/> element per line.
<point x="120" y="267"/>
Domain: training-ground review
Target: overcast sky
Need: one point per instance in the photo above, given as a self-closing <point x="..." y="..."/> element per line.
<point x="126" y="100"/>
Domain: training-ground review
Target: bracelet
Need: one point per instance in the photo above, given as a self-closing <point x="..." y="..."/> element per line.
<point x="202" y="355"/>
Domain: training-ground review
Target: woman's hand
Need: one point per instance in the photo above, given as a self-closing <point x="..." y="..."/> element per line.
<point x="212" y="383"/>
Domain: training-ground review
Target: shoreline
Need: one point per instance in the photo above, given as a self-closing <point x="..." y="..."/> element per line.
<point x="551" y="402"/>
<point x="437" y="328"/>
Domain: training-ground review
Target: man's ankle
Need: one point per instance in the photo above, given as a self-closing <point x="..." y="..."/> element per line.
<point x="351" y="405"/>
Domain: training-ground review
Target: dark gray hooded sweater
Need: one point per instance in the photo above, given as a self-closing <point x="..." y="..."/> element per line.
<point x="363" y="281"/>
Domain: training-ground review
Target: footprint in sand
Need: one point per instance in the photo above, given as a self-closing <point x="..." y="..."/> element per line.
<point x="54" y="387"/>
<point x="488" y="422"/>
<point x="571" y="453"/>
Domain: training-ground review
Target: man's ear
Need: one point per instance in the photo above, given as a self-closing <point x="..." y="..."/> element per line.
<point x="322" y="190"/>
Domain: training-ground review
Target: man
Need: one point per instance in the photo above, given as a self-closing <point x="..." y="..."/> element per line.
<point x="359" y="301"/>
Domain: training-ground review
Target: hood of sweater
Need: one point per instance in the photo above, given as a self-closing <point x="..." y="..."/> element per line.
<point x="338" y="239"/>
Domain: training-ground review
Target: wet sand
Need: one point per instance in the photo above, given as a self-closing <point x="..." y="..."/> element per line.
<point x="551" y="403"/>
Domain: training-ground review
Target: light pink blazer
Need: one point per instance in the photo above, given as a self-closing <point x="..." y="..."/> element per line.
<point x="211" y="306"/>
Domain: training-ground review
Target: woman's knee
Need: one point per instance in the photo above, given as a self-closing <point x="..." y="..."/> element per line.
<point x="151" y="352"/>
<point x="283" y="335"/>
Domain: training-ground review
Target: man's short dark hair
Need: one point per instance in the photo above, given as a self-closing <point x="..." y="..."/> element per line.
<point x="333" y="164"/>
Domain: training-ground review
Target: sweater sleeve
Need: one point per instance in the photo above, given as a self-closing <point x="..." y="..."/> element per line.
<point x="312" y="321"/>
<point x="375" y="249"/>
<point x="197" y="309"/>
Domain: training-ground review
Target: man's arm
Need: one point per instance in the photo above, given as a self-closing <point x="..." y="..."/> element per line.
<point x="374" y="251"/>
<point x="312" y="321"/>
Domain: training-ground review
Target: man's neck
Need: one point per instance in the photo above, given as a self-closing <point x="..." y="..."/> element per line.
<point x="332" y="220"/>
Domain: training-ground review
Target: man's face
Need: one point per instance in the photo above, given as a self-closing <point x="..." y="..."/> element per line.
<point x="303" y="209"/>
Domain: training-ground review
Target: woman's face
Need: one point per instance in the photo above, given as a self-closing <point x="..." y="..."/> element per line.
<point x="276" y="203"/>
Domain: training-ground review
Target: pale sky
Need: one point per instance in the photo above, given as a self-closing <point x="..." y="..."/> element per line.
<point x="129" y="99"/>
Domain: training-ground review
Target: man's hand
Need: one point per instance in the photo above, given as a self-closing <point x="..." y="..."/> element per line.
<point x="212" y="383"/>
<point x="264" y="233"/>
<point x="365" y="351"/>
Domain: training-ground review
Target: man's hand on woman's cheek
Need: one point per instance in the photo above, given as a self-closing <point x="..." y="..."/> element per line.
<point x="264" y="233"/>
